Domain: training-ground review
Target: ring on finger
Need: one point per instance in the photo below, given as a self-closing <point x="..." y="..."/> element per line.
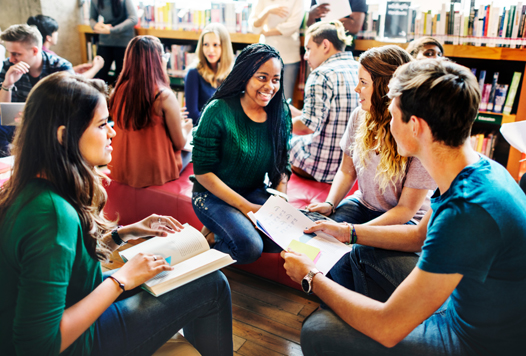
<point x="159" y="220"/>
<point x="154" y="258"/>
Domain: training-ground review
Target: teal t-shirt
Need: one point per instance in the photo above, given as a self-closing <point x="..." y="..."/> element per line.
<point x="45" y="269"/>
<point x="478" y="229"/>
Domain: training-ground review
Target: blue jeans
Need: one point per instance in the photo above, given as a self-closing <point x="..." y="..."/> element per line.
<point x="290" y="73"/>
<point x="324" y="333"/>
<point x="372" y="271"/>
<point x="234" y="232"/>
<point x="353" y="211"/>
<point x="139" y="323"/>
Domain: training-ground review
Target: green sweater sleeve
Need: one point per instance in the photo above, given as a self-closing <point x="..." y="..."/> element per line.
<point x="207" y="138"/>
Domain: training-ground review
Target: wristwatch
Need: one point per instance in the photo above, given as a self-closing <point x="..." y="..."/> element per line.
<point x="306" y="282"/>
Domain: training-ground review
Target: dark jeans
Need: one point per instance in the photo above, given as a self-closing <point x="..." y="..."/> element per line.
<point x="234" y="232"/>
<point x="6" y="137"/>
<point x="110" y="54"/>
<point x="139" y="323"/>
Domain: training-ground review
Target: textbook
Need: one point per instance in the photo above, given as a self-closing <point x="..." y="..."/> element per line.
<point x="283" y="223"/>
<point x="187" y="251"/>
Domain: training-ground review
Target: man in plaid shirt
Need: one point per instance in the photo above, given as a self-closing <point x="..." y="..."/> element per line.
<point x="26" y="65"/>
<point x="329" y="100"/>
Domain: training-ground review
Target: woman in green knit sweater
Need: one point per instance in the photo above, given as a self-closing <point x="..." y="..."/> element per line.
<point x="242" y="136"/>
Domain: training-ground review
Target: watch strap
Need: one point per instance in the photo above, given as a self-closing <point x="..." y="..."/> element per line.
<point x="116" y="238"/>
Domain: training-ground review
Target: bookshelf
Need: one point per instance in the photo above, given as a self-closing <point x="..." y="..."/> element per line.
<point x="482" y="54"/>
<point x="451" y="51"/>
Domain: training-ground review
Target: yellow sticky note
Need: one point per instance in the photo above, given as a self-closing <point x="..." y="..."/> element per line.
<point x="312" y="252"/>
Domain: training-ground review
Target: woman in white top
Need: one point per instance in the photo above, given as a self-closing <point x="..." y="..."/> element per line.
<point x="278" y="22"/>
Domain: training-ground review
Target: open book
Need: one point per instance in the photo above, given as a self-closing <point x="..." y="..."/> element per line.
<point x="187" y="251"/>
<point x="283" y="223"/>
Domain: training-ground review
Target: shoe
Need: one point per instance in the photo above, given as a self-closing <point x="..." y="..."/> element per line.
<point x="209" y="236"/>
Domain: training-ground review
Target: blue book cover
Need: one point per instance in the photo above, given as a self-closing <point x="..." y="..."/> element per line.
<point x="491" y="100"/>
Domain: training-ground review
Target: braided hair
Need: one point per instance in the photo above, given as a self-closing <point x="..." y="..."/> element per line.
<point x="246" y="65"/>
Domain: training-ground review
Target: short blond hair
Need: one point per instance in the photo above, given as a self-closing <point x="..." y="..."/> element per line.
<point x="26" y="34"/>
<point x="332" y="31"/>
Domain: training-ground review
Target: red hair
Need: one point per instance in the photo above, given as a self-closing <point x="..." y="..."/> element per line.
<point x="132" y="100"/>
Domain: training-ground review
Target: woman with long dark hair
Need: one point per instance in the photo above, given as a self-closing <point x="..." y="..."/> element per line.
<point x="392" y="189"/>
<point x="53" y="234"/>
<point x="242" y="136"/>
<point x="120" y="16"/>
<point x="147" y="115"/>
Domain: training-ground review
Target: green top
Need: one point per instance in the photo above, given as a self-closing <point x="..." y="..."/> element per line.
<point x="228" y="143"/>
<point x="45" y="269"/>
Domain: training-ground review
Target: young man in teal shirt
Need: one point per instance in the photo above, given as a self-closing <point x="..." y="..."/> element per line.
<point x="466" y="296"/>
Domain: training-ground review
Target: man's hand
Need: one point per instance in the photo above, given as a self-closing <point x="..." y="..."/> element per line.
<point x="297" y="265"/>
<point x="14" y="73"/>
<point x="316" y="12"/>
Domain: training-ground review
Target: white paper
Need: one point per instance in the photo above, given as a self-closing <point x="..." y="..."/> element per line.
<point x="284" y="223"/>
<point x="337" y="9"/>
<point x="515" y="134"/>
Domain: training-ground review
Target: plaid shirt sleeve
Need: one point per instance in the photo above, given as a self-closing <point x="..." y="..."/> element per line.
<point x="317" y="101"/>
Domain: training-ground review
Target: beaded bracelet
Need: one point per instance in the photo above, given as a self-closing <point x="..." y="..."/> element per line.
<point x="353" y="238"/>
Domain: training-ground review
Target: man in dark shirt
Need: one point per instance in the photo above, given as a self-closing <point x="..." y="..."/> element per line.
<point x="26" y="65"/>
<point x="353" y="23"/>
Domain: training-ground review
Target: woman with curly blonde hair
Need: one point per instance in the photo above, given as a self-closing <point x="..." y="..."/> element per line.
<point x="392" y="189"/>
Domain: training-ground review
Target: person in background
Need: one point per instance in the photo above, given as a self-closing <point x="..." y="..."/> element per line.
<point x="215" y="58"/>
<point x="147" y="115"/>
<point x="392" y="189"/>
<point x="55" y="298"/>
<point x="328" y="103"/>
<point x="48" y="28"/>
<point x="242" y="137"/>
<point x="115" y="32"/>
<point x="425" y="47"/>
<point x="279" y="23"/>
<point x="466" y="294"/>
<point x="352" y="23"/>
<point x="26" y="65"/>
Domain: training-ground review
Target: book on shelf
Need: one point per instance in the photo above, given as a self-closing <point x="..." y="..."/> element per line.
<point x="484" y="144"/>
<point x="512" y="92"/>
<point x="491" y="98"/>
<point x="176" y="15"/>
<point x="500" y="97"/>
<point x="490" y="25"/>
<point x="283" y="223"/>
<point x="484" y="99"/>
<point x="187" y="251"/>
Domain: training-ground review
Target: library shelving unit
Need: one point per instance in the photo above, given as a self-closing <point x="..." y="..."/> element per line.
<point x="510" y="158"/>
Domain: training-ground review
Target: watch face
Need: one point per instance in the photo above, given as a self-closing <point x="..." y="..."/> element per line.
<point x="305" y="286"/>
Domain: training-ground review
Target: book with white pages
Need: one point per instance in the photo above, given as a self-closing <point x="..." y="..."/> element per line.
<point x="337" y="9"/>
<point x="283" y="223"/>
<point x="189" y="145"/>
<point x="187" y="251"/>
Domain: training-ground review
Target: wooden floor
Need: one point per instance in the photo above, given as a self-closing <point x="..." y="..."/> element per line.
<point x="267" y="316"/>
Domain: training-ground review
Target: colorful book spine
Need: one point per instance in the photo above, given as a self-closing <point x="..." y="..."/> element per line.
<point x="500" y="97"/>
<point x="485" y="97"/>
<point x="491" y="99"/>
<point x="512" y="92"/>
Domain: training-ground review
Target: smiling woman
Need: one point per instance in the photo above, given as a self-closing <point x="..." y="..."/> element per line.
<point x="242" y="136"/>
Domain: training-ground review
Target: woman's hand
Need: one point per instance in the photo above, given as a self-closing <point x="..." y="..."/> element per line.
<point x="184" y="113"/>
<point x="98" y="62"/>
<point x="187" y="126"/>
<point x="102" y="28"/>
<point x="322" y="208"/>
<point x="297" y="265"/>
<point x="141" y="268"/>
<point x="250" y="207"/>
<point x="153" y="225"/>
<point x="338" y="231"/>
<point x="281" y="11"/>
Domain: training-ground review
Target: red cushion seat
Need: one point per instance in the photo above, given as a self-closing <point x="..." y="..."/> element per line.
<point x="175" y="199"/>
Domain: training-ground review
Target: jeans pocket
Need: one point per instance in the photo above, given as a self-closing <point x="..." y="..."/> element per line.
<point x="199" y="200"/>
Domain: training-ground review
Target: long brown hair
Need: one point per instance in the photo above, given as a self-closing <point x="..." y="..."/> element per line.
<point x="140" y="79"/>
<point x="374" y="132"/>
<point x="224" y="66"/>
<point x="61" y="99"/>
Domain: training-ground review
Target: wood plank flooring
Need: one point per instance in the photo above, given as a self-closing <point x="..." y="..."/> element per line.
<point x="267" y="316"/>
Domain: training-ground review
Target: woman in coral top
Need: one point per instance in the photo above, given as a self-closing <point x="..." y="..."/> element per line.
<point x="147" y="115"/>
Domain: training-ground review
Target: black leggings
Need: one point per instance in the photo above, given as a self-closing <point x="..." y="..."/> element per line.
<point x="110" y="54"/>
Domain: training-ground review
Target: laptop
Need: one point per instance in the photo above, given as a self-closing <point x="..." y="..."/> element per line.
<point x="9" y="112"/>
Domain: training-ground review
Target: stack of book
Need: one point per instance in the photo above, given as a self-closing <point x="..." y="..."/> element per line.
<point x="171" y="15"/>
<point x="181" y="58"/>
